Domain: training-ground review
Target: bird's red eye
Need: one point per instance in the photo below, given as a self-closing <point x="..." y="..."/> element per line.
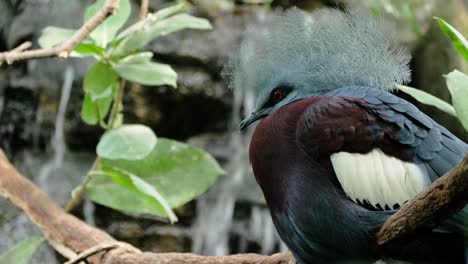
<point x="277" y="95"/>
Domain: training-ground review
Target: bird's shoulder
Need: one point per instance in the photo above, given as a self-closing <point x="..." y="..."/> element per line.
<point x="382" y="149"/>
<point x="359" y="119"/>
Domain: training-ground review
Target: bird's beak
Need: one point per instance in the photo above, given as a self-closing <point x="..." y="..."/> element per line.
<point x="250" y="119"/>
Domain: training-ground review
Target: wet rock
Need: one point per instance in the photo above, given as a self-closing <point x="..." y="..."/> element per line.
<point x="176" y="114"/>
<point x="169" y="243"/>
<point x="38" y="14"/>
<point x="209" y="49"/>
<point x="58" y="179"/>
<point x="17" y="119"/>
<point x="149" y="233"/>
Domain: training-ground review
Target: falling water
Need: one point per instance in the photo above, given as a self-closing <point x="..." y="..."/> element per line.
<point x="215" y="222"/>
<point x="57" y="142"/>
<point x="63" y="170"/>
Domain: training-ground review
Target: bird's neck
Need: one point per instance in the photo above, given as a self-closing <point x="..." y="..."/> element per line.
<point x="278" y="163"/>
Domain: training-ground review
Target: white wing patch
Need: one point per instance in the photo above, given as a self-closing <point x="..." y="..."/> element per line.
<point x="379" y="179"/>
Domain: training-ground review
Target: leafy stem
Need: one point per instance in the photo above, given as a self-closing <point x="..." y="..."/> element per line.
<point x="79" y="192"/>
<point x="116" y="106"/>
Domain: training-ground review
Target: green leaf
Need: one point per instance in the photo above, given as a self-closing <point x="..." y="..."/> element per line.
<point x="129" y="142"/>
<point x="456" y="37"/>
<point x="107" y="93"/>
<point x="178" y="171"/>
<point x="152" y="27"/>
<point x="138" y="68"/>
<point x="457" y="83"/>
<point x="89" y="111"/>
<point x="170" y="11"/>
<point x="22" y="252"/>
<point x="141" y="57"/>
<point x="119" y="120"/>
<point x="428" y="99"/>
<point x="142" y="190"/>
<point x="93" y="111"/>
<point x="257" y="2"/>
<point x="99" y="78"/>
<point x="161" y="14"/>
<point x="89" y="48"/>
<point x="106" y="31"/>
<point x="54" y="36"/>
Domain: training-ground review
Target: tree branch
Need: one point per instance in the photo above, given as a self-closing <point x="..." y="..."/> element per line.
<point x="446" y="196"/>
<point x="71" y="236"/>
<point x="189" y="258"/>
<point x="62" y="51"/>
<point x="26" y="45"/>
<point x="65" y="230"/>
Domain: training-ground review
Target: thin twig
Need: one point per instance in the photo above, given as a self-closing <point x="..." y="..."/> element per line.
<point x="116" y="106"/>
<point x="92" y="251"/>
<point x="79" y="192"/>
<point x="10" y="57"/>
<point x="143" y="9"/>
<point x="110" y="7"/>
<point x="62" y="51"/>
<point x="26" y="45"/>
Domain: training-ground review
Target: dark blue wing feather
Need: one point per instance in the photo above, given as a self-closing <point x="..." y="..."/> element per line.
<point x="434" y="145"/>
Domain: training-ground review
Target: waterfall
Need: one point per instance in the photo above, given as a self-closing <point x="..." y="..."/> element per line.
<point x="58" y="141"/>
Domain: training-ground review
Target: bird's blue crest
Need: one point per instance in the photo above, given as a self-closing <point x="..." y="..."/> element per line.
<point x="319" y="52"/>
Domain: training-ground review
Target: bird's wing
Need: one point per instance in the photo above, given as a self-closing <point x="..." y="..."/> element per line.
<point x="383" y="150"/>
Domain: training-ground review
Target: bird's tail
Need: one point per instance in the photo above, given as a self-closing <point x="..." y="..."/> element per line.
<point x="459" y="223"/>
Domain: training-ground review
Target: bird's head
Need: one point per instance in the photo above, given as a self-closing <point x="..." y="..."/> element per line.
<point x="294" y="55"/>
<point x="270" y="100"/>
